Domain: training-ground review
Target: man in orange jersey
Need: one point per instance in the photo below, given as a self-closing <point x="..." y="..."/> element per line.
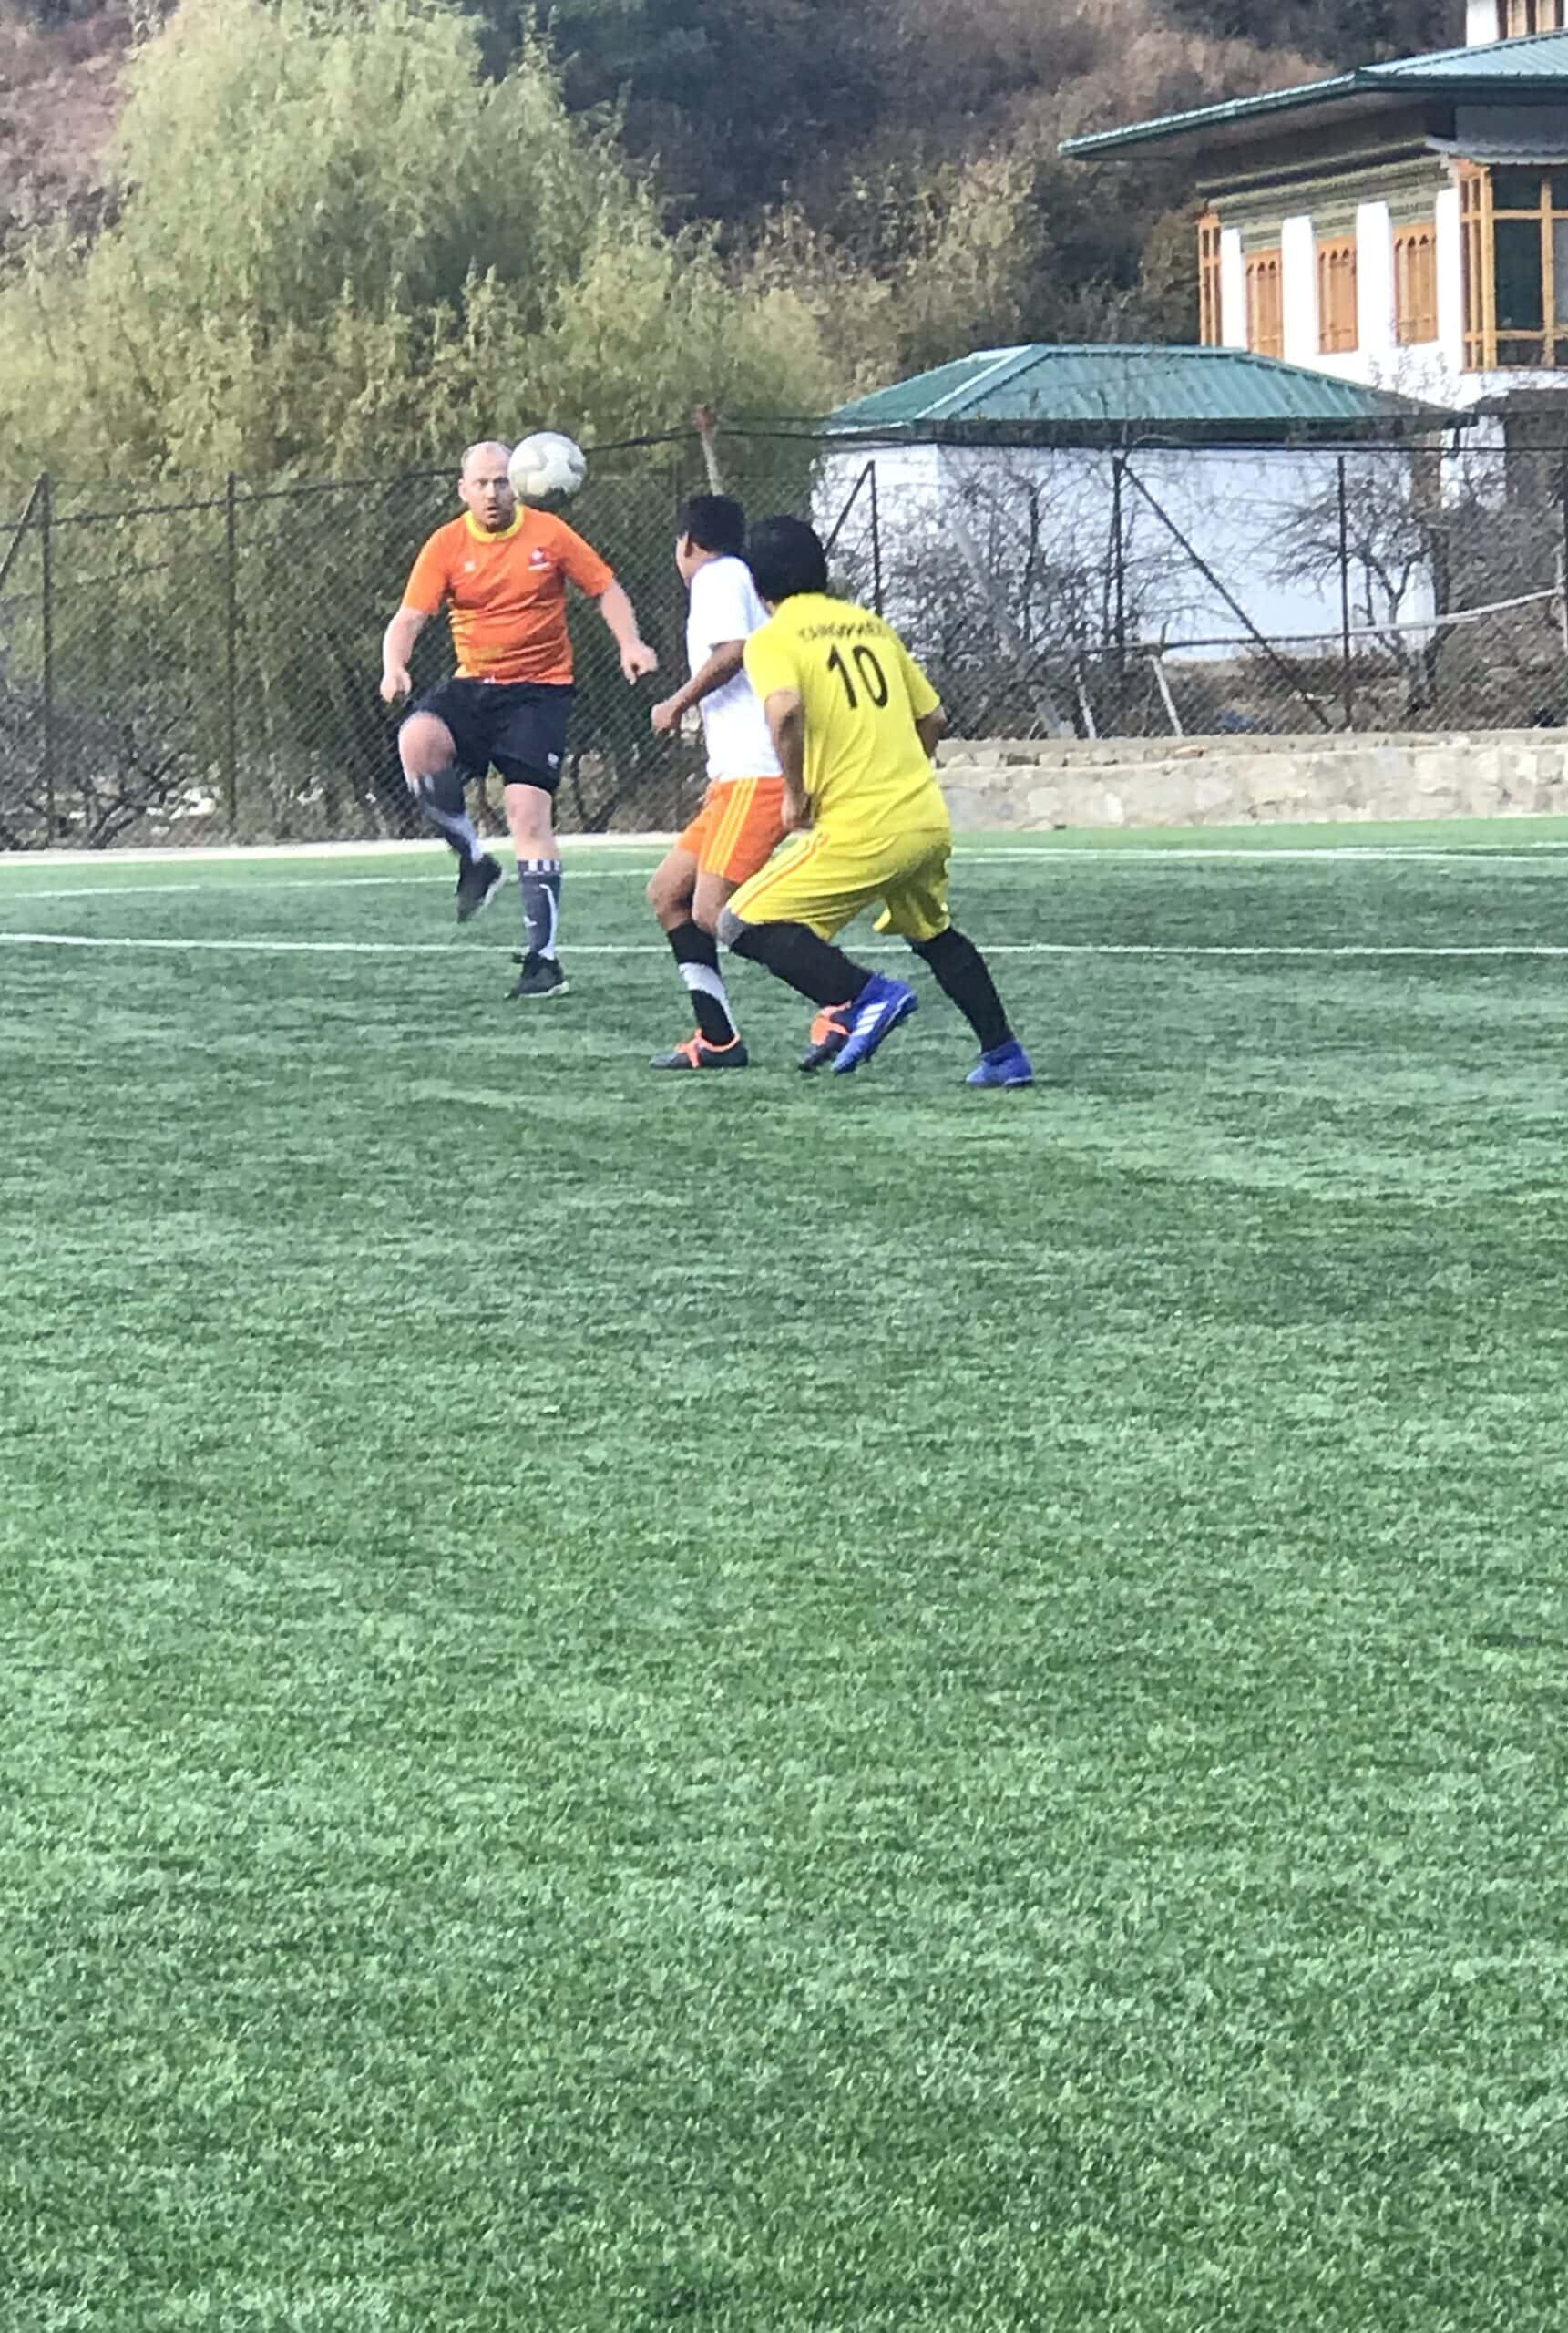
<point x="501" y="572"/>
<point x="740" y="821"/>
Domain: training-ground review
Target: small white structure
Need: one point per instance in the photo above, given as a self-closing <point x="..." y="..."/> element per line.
<point x="1103" y="501"/>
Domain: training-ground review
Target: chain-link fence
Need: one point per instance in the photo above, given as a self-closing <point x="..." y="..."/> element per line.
<point x="196" y="666"/>
<point x="1168" y="590"/>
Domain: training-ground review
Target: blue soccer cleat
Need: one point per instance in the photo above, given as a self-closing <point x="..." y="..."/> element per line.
<point x="875" y="1014"/>
<point x="1006" y="1065"/>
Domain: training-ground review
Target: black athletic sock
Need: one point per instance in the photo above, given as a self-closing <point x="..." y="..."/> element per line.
<point x="697" y="953"/>
<point x="444" y="803"/>
<point x="794" y="952"/>
<point x="962" y="973"/>
<point x="539" y="882"/>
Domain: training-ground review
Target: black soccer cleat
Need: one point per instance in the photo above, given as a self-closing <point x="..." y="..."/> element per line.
<point x="828" y="1033"/>
<point x="478" y="881"/>
<point x="697" y="1053"/>
<point x="540" y="976"/>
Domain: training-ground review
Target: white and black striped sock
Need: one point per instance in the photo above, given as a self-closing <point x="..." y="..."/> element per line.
<point x="539" y="882"/>
<point x="697" y="953"/>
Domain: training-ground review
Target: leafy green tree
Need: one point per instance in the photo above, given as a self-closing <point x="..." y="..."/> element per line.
<point x="339" y="245"/>
<point x="341" y="250"/>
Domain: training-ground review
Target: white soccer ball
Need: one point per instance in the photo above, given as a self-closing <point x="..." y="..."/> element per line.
<point x="546" y="465"/>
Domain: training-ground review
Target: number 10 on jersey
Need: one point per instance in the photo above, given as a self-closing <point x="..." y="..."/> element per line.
<point x="872" y="679"/>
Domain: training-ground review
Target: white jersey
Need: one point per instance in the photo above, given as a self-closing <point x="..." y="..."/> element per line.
<point x="725" y="606"/>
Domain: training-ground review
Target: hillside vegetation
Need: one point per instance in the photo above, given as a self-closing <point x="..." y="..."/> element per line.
<point x="224" y="227"/>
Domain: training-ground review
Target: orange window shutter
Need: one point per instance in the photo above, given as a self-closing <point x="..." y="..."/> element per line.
<point x="1416" y="284"/>
<point x="1264" y="305"/>
<point x="1337" y="330"/>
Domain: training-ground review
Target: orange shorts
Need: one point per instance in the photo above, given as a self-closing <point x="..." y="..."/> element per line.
<point x="738" y="829"/>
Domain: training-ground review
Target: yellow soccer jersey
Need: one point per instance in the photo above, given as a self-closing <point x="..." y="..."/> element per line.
<point x="866" y="772"/>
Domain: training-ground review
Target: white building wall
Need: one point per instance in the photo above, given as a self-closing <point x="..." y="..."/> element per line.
<point x="1233" y="290"/>
<point x="1374" y="282"/>
<point x="1236" y="509"/>
<point x="1298" y="288"/>
<point x="1451" y="286"/>
<point x="1433" y="370"/>
<point x="1479" y="23"/>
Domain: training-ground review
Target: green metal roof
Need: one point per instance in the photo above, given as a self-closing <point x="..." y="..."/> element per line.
<point x="1502" y="67"/>
<point x="1043" y="395"/>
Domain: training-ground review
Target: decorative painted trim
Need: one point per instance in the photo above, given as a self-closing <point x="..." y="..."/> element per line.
<point x="1333" y="198"/>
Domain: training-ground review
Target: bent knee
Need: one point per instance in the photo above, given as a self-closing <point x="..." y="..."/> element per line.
<point x="426" y="746"/>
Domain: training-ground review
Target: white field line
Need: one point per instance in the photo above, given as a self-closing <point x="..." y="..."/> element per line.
<point x="1054" y="858"/>
<point x="264" y="947"/>
<point x="197" y="855"/>
<point x="281" y="883"/>
<point x="194" y="856"/>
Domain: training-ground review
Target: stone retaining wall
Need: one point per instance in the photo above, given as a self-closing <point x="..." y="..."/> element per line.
<point x="1237" y="781"/>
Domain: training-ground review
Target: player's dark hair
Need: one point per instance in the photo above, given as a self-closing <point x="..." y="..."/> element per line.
<point x="714" y="522"/>
<point x="786" y="557"/>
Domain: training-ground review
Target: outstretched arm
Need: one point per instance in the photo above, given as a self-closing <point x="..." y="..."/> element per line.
<point x="396" y="648"/>
<point x="636" y="659"/>
<point x="720" y="668"/>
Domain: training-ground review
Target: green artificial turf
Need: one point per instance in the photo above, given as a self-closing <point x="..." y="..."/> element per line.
<point x="769" y="1703"/>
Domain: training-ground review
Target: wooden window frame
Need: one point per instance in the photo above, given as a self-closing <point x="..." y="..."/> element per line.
<point x="1211" y="282"/>
<point x="1338" y="292"/>
<point x="1483" y="337"/>
<point x="1416" y="284"/>
<point x="1266" y="267"/>
<point x="1517" y="19"/>
<point x="1480" y="283"/>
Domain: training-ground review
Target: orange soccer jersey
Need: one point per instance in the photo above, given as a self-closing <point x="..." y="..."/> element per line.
<point x="505" y="594"/>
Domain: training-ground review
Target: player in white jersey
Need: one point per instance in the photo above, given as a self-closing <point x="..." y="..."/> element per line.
<point x="740" y="822"/>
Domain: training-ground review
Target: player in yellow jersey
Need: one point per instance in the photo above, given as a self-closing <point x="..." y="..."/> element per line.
<point x="854" y="722"/>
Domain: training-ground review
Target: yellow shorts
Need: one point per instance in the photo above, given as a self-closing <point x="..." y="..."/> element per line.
<point x="825" y="880"/>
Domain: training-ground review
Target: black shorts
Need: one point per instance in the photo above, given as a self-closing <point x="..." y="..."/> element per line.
<point x="517" y="726"/>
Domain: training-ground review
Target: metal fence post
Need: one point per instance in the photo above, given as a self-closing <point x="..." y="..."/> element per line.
<point x="1563" y="551"/>
<point x="1118" y="586"/>
<point x="231" y="671"/>
<point x="1347" y="678"/>
<point x="47" y="609"/>
<point x="875" y="544"/>
<point x="19" y="531"/>
<point x="1279" y="663"/>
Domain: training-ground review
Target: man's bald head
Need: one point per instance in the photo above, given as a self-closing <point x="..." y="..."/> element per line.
<point x="487" y="454"/>
<point x="483" y="484"/>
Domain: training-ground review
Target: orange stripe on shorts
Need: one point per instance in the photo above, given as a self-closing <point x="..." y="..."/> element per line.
<point x="742" y="793"/>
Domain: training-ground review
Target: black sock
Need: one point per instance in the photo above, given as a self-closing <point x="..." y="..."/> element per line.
<point x="796" y="954"/>
<point x="962" y="973"/>
<point x="697" y="953"/>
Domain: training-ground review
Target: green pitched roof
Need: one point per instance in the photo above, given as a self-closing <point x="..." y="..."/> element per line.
<point x="1043" y="395"/>
<point x="1504" y="68"/>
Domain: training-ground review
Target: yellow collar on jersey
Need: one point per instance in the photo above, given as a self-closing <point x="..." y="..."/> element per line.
<point x="499" y="534"/>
